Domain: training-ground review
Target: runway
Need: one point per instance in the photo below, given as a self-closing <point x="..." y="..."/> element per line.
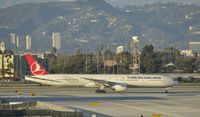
<point x="179" y="102"/>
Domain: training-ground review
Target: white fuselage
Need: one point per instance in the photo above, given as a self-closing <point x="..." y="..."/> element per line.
<point x="83" y="80"/>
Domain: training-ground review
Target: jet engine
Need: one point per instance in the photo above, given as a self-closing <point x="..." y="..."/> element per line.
<point x="119" y="87"/>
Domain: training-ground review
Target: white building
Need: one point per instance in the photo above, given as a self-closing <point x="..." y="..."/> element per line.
<point x="187" y="53"/>
<point x="2" y="46"/>
<point x="14" y="41"/>
<point x="120" y="49"/>
<point x="28" y="42"/>
<point x="56" y="40"/>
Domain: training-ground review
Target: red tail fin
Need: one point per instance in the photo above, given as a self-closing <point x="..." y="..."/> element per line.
<point x="34" y="66"/>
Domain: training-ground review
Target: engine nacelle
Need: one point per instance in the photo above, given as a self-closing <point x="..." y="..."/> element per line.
<point x="90" y="85"/>
<point x="119" y="87"/>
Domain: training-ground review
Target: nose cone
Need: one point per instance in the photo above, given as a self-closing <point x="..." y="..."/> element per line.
<point x="171" y="81"/>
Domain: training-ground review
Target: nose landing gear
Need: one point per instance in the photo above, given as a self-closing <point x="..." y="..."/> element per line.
<point x="167" y="89"/>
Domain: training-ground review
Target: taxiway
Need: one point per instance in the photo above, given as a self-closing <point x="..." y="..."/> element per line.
<point x="179" y="102"/>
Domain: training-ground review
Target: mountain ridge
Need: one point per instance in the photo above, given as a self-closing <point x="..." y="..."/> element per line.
<point x="86" y="25"/>
<point x="119" y="3"/>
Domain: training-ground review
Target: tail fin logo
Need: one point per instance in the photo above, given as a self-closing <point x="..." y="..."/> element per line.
<point x="36" y="69"/>
<point x="34" y="66"/>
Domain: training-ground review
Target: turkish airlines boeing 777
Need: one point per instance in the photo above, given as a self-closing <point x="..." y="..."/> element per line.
<point x="118" y="83"/>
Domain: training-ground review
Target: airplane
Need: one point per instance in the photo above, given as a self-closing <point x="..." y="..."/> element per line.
<point x="116" y="82"/>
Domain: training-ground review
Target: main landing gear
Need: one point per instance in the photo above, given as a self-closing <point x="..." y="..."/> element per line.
<point x="100" y="91"/>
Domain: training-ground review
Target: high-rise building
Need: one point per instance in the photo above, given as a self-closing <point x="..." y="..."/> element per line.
<point x="17" y="42"/>
<point x="14" y="41"/>
<point x="28" y="42"/>
<point x="12" y="38"/>
<point x="56" y="40"/>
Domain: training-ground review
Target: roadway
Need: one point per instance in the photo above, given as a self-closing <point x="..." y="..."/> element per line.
<point x="179" y="102"/>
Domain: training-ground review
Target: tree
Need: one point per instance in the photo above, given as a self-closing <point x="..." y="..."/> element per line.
<point x="124" y="61"/>
<point x="170" y="55"/>
<point x="188" y="65"/>
<point x="151" y="61"/>
<point x="147" y="59"/>
<point x="52" y="58"/>
<point x="157" y="62"/>
<point x="53" y="51"/>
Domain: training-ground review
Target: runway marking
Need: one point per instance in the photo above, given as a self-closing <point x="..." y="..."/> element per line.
<point x="149" y="110"/>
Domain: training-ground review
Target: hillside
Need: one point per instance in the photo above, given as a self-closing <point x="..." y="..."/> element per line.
<point x="166" y="24"/>
<point x="120" y="3"/>
<point x="87" y="24"/>
<point x="123" y="3"/>
<point x="7" y="3"/>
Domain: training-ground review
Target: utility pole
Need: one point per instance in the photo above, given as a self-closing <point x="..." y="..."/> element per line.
<point x="97" y="56"/>
<point x="86" y="62"/>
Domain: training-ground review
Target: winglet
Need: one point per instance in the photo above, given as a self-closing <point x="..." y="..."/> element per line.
<point x="35" y="67"/>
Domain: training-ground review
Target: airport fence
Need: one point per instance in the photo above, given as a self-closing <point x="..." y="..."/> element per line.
<point x="17" y="105"/>
<point x="40" y="113"/>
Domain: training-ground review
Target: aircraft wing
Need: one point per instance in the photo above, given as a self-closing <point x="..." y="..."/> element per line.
<point x="101" y="82"/>
<point x="39" y="78"/>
